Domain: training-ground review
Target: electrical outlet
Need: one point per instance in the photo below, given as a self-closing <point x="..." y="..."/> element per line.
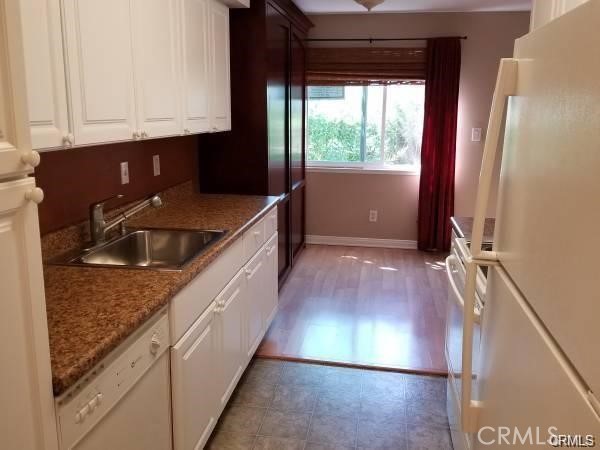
<point x="373" y="215"/>
<point x="125" y="172"/>
<point x="476" y="134"/>
<point x="156" y="165"/>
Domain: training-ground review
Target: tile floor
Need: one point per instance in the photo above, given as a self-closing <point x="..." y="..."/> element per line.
<point x="283" y="405"/>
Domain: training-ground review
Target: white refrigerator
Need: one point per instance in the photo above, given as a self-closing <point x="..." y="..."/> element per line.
<point x="537" y="382"/>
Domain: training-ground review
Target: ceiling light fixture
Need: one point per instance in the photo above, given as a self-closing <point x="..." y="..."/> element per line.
<point x="369" y="4"/>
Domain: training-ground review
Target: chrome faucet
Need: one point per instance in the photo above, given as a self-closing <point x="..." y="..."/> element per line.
<point x="98" y="225"/>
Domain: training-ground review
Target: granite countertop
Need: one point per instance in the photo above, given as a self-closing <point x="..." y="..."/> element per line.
<point x="463" y="226"/>
<point x="92" y="310"/>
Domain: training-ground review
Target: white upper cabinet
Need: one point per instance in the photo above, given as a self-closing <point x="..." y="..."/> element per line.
<point x="16" y="157"/>
<point x="100" y="70"/>
<point x="220" y="105"/>
<point x="45" y="73"/>
<point x="545" y="11"/>
<point x="157" y="74"/>
<point x="120" y="70"/>
<point x="196" y="88"/>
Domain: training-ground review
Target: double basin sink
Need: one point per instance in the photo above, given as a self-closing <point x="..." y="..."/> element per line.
<point x="157" y="249"/>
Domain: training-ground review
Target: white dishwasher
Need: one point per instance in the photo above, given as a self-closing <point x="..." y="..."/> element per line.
<point x="125" y="402"/>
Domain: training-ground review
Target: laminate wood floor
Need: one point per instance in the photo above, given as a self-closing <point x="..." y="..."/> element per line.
<point x="365" y="307"/>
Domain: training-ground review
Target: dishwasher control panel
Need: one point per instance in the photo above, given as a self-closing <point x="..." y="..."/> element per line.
<point x="84" y="406"/>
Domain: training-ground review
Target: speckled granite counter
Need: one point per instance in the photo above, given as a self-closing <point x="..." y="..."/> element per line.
<point x="92" y="310"/>
<point x="463" y="226"/>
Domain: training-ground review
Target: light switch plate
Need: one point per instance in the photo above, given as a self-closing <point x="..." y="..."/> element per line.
<point x="476" y="134"/>
<point x="125" y="172"/>
<point x="156" y="165"/>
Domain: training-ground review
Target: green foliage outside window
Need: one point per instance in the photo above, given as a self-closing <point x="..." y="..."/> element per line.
<point x="335" y="126"/>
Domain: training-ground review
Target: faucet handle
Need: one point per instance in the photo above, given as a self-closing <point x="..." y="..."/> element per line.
<point x="106" y="200"/>
<point x="97" y="209"/>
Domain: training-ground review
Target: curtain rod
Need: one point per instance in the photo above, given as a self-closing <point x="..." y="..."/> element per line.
<point x="372" y="39"/>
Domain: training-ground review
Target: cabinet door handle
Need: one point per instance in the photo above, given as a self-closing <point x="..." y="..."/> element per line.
<point x="31" y="158"/>
<point x="36" y="195"/>
<point x="69" y="140"/>
<point x="270" y="250"/>
<point x="251" y="273"/>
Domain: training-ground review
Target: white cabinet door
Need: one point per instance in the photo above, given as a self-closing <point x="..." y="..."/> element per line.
<point x="271" y="298"/>
<point x="15" y="142"/>
<point x="100" y="70"/>
<point x="230" y="320"/>
<point x="220" y="95"/>
<point x="256" y="290"/>
<point x="194" y="383"/>
<point x="27" y="419"/>
<point x="156" y="58"/>
<point x="195" y="98"/>
<point x="45" y="73"/>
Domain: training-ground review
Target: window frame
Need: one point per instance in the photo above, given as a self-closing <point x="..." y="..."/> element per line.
<point x="364" y="167"/>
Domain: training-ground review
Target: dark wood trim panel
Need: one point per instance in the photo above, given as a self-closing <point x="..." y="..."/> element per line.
<point x="264" y="152"/>
<point x="294" y="14"/>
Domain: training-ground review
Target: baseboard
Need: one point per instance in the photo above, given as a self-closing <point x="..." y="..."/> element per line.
<point x="361" y="242"/>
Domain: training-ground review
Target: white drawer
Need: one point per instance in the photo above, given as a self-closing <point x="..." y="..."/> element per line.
<point x="254" y="238"/>
<point x="188" y="304"/>
<point x="271" y="223"/>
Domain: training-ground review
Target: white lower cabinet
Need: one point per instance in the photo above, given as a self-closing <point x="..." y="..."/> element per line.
<point x="255" y="279"/>
<point x="194" y="383"/>
<point x="230" y="325"/>
<point x="210" y="357"/>
<point x="271" y="298"/>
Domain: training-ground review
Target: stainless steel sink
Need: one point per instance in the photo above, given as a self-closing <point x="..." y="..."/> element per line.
<point x="149" y="249"/>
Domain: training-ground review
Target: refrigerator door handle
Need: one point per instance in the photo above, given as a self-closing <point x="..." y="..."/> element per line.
<point x="506" y="86"/>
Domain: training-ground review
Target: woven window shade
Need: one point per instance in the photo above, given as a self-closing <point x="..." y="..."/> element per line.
<point x="365" y="66"/>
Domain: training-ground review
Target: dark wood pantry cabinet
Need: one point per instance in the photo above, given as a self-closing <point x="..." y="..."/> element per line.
<point x="264" y="153"/>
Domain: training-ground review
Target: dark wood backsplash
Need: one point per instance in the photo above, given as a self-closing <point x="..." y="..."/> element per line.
<point x="75" y="178"/>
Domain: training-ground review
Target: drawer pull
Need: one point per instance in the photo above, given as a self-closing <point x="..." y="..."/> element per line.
<point x="31" y="158"/>
<point x="36" y="195"/>
<point x="251" y="273"/>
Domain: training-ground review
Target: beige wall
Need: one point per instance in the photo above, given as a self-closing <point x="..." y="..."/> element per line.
<point x="339" y="204"/>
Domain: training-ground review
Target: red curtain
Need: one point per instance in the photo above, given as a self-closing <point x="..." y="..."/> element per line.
<point x="438" y="150"/>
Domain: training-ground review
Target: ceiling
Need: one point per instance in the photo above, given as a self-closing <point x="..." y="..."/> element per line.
<point x="349" y="6"/>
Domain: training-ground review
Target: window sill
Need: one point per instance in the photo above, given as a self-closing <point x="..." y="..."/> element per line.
<point x="364" y="170"/>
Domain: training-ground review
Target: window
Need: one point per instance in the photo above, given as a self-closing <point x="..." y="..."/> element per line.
<point x="365" y="126"/>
